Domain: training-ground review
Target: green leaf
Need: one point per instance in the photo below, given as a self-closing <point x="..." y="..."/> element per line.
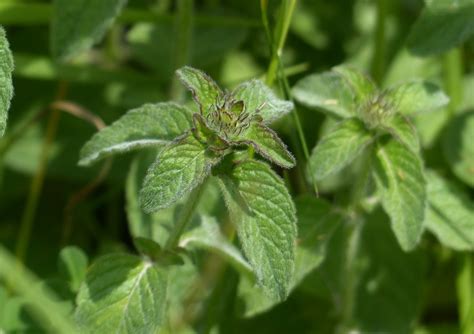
<point x="362" y="87"/>
<point x="258" y="97"/>
<point x="6" y="86"/>
<point x="458" y="146"/>
<point x="390" y="283"/>
<point x="267" y="143"/>
<point x="339" y="147"/>
<point x="416" y="97"/>
<point x="78" y="24"/>
<point x="149" y="125"/>
<point x="401" y="128"/>
<point x="208" y="236"/>
<point x="264" y="214"/>
<point x="450" y="214"/>
<point x="316" y="224"/>
<point x="122" y="294"/>
<point x="179" y="168"/>
<point x="441" y="26"/>
<point x="399" y="176"/>
<point x="72" y="266"/>
<point x="205" y="91"/>
<point x="327" y="91"/>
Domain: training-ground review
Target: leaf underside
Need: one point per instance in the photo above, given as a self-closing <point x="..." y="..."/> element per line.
<point x="6" y="86"/>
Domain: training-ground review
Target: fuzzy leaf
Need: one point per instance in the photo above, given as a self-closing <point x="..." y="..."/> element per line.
<point x="327" y="91"/>
<point x="267" y="143"/>
<point x="263" y="211"/>
<point x="399" y="176"/>
<point x="78" y="24"/>
<point x="339" y="147"/>
<point x="362" y="87"/>
<point x="416" y="97"/>
<point x="149" y="125"/>
<point x="178" y="169"/>
<point x="401" y="128"/>
<point x="208" y="236"/>
<point x="450" y="214"/>
<point x="458" y="146"/>
<point x="257" y="96"/>
<point x="205" y="91"/>
<point x="443" y="24"/>
<point x="6" y="86"/>
<point x="72" y="266"/>
<point x="122" y="294"/>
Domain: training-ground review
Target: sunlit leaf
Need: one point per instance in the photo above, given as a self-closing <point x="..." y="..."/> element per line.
<point x="6" y="87"/>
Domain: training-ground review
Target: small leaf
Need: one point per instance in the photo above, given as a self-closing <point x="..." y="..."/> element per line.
<point x="6" y="86"/>
<point x="266" y="226"/>
<point x="72" y="265"/>
<point x="450" y="214"/>
<point x="399" y="176"/>
<point x="179" y="168"/>
<point x="441" y="26"/>
<point x="78" y="24"/>
<point x="339" y="147"/>
<point x="362" y="87"/>
<point x="458" y="147"/>
<point x="267" y="143"/>
<point x="258" y="97"/>
<point x="122" y="294"/>
<point x="416" y="97"/>
<point x="149" y="125"/>
<point x="205" y="91"/>
<point x="208" y="236"/>
<point x="401" y="128"/>
<point x="327" y="91"/>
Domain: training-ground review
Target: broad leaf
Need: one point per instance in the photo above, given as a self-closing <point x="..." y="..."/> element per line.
<point x="179" y="168"/>
<point x="205" y="91"/>
<point x="263" y="211"/>
<point x="399" y="176"/>
<point x="316" y="224"/>
<point x="208" y="236"/>
<point x="458" y="146"/>
<point x="339" y="147"/>
<point x="362" y="87"/>
<point x="258" y="97"/>
<point x="72" y="266"/>
<point x="149" y="125"/>
<point x="450" y="214"/>
<point x="78" y="24"/>
<point x="390" y="282"/>
<point x="269" y="145"/>
<point x="122" y="294"/>
<point x="327" y="91"/>
<point x="443" y="24"/>
<point x="416" y="97"/>
<point x="401" y="128"/>
<point x="6" y="87"/>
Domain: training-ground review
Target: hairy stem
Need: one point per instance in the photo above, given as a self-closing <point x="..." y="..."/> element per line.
<point x="185" y="217"/>
<point x="465" y="291"/>
<point x="184" y="31"/>
<point x="453" y="72"/>
<point x="380" y="45"/>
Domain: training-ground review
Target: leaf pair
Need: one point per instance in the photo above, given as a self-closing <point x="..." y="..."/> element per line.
<point x="377" y="120"/>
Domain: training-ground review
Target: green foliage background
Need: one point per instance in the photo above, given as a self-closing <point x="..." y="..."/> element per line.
<point x="73" y="74"/>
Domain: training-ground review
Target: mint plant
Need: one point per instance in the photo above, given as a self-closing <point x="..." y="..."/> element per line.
<point x="216" y="140"/>
<point x="375" y="123"/>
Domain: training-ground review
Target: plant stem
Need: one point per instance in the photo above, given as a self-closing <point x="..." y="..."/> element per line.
<point x="185" y="217"/>
<point x="453" y="75"/>
<point x="184" y="31"/>
<point x="281" y="31"/>
<point x="465" y="291"/>
<point x="27" y="221"/>
<point x="380" y="45"/>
